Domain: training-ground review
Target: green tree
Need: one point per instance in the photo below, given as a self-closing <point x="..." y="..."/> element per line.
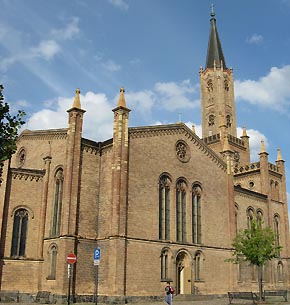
<point x="256" y="245"/>
<point x="9" y="126"/>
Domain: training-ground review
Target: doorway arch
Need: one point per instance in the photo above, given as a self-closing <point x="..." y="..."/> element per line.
<point x="183" y="273"/>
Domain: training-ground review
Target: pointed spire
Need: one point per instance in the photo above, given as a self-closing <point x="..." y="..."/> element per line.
<point x="122" y="101"/>
<point x="214" y="50"/>
<point x="244" y="132"/>
<point x="77" y="102"/>
<point x="279" y="156"/>
<point x="193" y="129"/>
<point x="263" y="149"/>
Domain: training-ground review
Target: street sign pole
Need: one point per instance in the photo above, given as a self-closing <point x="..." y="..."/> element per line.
<point x="69" y="282"/>
<point x="97" y="256"/>
<point x="71" y="259"/>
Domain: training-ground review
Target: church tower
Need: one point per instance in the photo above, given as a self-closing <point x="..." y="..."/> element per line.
<point x="219" y="126"/>
<point x="217" y="89"/>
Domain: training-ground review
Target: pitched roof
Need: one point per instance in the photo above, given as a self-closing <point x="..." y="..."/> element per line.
<point x="214" y="50"/>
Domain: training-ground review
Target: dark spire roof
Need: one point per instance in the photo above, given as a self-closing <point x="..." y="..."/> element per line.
<point x="214" y="50"/>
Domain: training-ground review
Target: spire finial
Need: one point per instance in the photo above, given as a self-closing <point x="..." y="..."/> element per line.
<point x="212" y="14"/>
<point x="122" y="101"/>
<point x="279" y="156"/>
<point x="77" y="102"/>
<point x="244" y="131"/>
<point x="263" y="149"/>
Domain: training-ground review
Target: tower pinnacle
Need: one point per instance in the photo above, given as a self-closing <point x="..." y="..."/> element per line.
<point x="122" y="101"/>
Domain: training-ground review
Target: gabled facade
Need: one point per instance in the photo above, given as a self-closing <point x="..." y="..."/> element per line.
<point x="160" y="202"/>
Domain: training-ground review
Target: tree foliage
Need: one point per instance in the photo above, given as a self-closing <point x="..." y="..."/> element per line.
<point x="9" y="126"/>
<point x="256" y="245"/>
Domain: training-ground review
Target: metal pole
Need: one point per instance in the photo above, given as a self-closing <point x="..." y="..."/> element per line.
<point x="69" y="280"/>
<point x="97" y="271"/>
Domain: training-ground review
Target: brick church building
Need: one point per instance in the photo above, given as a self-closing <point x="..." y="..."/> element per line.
<point x="161" y="203"/>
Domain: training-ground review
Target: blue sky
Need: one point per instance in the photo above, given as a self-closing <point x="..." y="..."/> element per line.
<point x="154" y="48"/>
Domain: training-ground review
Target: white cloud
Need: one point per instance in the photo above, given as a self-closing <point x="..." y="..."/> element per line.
<point x="46" y="49"/>
<point x="111" y="66"/>
<point x="173" y="96"/>
<point x="255" y="39"/>
<point x="69" y="32"/>
<point x="120" y="4"/>
<point x="142" y="100"/>
<point x="255" y="137"/>
<point x="272" y="90"/>
<point x="98" y="118"/>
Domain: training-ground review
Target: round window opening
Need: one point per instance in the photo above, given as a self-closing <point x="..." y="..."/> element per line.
<point x="251" y="184"/>
<point x="182" y="151"/>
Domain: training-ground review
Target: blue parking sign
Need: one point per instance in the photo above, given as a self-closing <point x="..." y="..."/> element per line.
<point x="97" y="253"/>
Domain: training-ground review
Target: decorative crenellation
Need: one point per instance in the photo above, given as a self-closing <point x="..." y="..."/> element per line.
<point x="27" y="174"/>
<point x="273" y="167"/>
<point x="177" y="129"/>
<point x="52" y="134"/>
<point x="247" y="168"/>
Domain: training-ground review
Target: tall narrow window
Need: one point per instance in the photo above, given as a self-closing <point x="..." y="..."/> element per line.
<point x="277" y="233"/>
<point x="53" y="256"/>
<point x="236" y="218"/>
<point x="196" y="214"/>
<point x="181" y="211"/>
<point x="19" y="233"/>
<point x="259" y="218"/>
<point x="197" y="266"/>
<point x="164" y="207"/>
<point x="280" y="277"/>
<point x="250" y="217"/>
<point x="164" y="265"/>
<point x="57" y="203"/>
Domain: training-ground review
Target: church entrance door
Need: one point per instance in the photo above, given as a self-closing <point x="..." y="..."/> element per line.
<point x="183" y="271"/>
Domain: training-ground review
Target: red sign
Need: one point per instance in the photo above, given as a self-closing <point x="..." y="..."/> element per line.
<point x="71" y="258"/>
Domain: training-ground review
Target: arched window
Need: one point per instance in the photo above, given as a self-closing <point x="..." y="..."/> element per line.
<point x="277" y="232"/>
<point x="280" y="277"/>
<point x="236" y="218"/>
<point x="259" y="217"/>
<point x="196" y="214"/>
<point x="181" y="211"/>
<point x="164" y="265"/>
<point x="57" y="206"/>
<point x="164" y="207"/>
<point x="250" y="217"/>
<point x="19" y="233"/>
<point x="198" y="266"/>
<point x="52" y="253"/>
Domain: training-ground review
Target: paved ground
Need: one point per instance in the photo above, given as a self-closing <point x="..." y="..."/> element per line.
<point x="212" y="301"/>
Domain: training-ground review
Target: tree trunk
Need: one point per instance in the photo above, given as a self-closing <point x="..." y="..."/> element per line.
<point x="260" y="281"/>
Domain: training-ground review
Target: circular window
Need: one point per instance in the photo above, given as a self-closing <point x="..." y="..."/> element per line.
<point x="182" y="151"/>
<point x="251" y="184"/>
<point x="21" y="157"/>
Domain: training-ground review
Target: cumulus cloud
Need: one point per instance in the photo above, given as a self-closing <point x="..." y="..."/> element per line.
<point x="46" y="49"/>
<point x="69" y="32"/>
<point x="120" y="4"/>
<point x="272" y="90"/>
<point x="98" y="118"/>
<point x="173" y="96"/>
<point x="255" y="39"/>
